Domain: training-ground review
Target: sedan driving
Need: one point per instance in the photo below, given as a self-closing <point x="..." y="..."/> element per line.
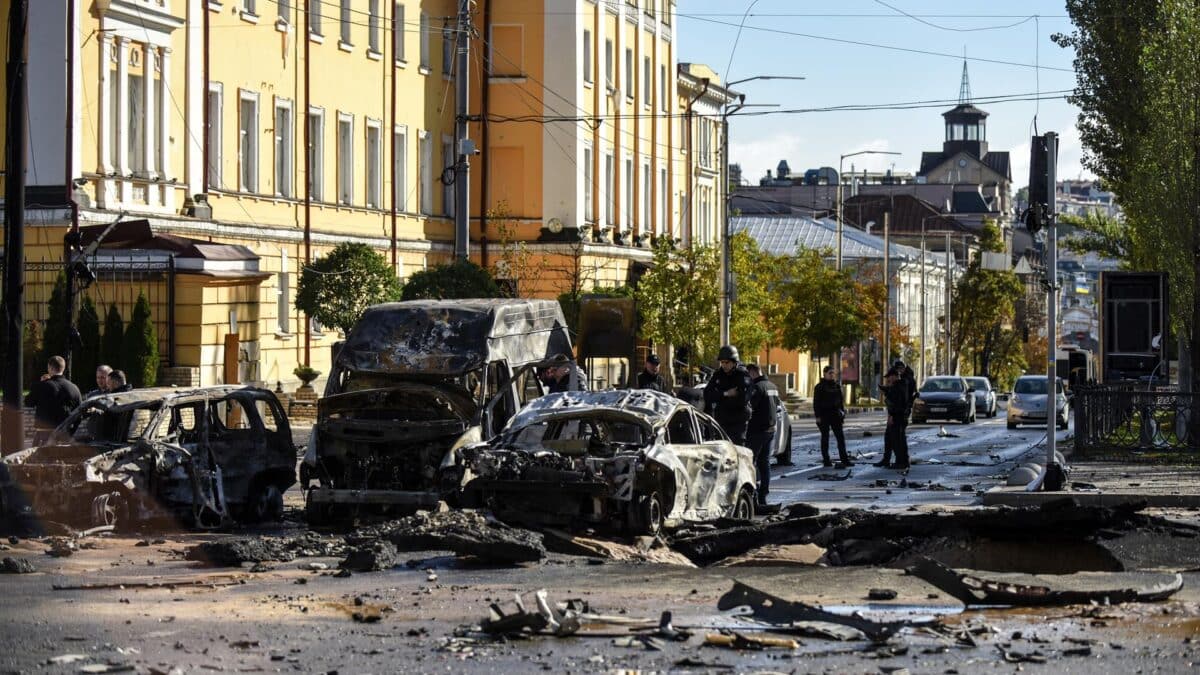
<point x="946" y="397"/>
<point x="985" y="396"/>
<point x="1028" y="402"/>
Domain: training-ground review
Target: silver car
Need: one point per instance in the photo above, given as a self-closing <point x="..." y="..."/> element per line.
<point x="1028" y="402"/>
<point x="985" y="396"/>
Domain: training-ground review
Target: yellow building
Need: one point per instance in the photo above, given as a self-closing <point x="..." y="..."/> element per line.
<point x="253" y="135"/>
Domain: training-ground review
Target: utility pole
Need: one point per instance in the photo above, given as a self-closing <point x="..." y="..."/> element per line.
<point x="887" y="289"/>
<point x="949" y="302"/>
<point x="923" y="373"/>
<point x="13" y="429"/>
<point x="1051" y="311"/>
<point x="462" y="145"/>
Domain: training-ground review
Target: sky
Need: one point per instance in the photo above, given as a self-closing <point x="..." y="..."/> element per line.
<point x="1002" y="43"/>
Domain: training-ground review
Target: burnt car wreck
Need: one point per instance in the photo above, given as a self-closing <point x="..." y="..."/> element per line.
<point x="413" y="382"/>
<point x="203" y="457"/>
<point x="639" y="460"/>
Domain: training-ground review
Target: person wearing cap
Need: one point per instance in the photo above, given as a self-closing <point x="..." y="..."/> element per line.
<point x="557" y="375"/>
<point x="727" y="395"/>
<point x="760" y="429"/>
<point x="650" y="378"/>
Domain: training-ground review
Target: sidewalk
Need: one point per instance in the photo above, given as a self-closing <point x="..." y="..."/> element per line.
<point x="1112" y="483"/>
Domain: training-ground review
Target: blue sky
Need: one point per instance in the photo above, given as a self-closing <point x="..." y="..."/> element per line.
<point x="839" y="74"/>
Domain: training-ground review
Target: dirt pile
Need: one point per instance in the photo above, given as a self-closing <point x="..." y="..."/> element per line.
<point x="472" y="533"/>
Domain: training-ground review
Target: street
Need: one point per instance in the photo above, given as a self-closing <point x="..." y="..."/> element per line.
<point x="978" y="455"/>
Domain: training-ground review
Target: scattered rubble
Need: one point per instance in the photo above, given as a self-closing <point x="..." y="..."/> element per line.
<point x="559" y="620"/>
<point x="372" y="556"/>
<point x="782" y="614"/>
<point x="467" y="532"/>
<point x="234" y="552"/>
<point x="17" y="566"/>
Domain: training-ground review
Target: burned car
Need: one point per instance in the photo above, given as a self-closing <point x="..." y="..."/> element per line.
<point x="203" y="457"/>
<point x="414" y="381"/>
<point x="639" y="460"/>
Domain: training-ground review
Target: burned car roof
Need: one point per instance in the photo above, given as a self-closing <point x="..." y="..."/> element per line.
<point x="451" y="337"/>
<point x="156" y="394"/>
<point x="654" y="407"/>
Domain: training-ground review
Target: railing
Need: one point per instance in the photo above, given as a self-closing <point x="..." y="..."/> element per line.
<point x="1119" y="420"/>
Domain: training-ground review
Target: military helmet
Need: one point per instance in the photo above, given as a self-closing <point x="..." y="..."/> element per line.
<point x="728" y="353"/>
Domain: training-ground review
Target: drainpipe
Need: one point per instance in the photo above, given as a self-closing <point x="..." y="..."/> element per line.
<point x="71" y="240"/>
<point x="307" y="170"/>
<point x="392" y="106"/>
<point x="484" y="173"/>
<point x="207" y="84"/>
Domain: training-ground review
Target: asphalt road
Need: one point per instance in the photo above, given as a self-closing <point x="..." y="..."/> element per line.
<point x="946" y="458"/>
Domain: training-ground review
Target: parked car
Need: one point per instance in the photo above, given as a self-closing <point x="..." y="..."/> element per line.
<point x="985" y="396"/>
<point x="638" y="460"/>
<point x="947" y="397"/>
<point x="1028" y="402"/>
<point x="202" y="456"/>
<point x="782" y="452"/>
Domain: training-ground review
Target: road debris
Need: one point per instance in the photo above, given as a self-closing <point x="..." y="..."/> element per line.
<point x="742" y="641"/>
<point x="560" y="621"/>
<point x="372" y="556"/>
<point x="201" y="582"/>
<point x="788" y="555"/>
<point x="17" y="566"/>
<point x="234" y="552"/>
<point x="881" y="594"/>
<point x="783" y="613"/>
<point x="469" y="532"/>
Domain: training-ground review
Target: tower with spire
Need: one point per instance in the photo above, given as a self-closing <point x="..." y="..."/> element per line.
<point x="966" y="125"/>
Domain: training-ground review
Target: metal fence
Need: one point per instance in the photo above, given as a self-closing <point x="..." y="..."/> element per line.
<point x="1111" y="420"/>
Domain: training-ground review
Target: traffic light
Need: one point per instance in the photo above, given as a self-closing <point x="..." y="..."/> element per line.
<point x="1037" y="215"/>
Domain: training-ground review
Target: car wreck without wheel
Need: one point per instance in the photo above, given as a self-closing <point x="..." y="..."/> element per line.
<point x="637" y="459"/>
<point x="198" y="456"/>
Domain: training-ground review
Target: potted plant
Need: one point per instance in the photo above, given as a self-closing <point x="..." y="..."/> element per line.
<point x="306" y="374"/>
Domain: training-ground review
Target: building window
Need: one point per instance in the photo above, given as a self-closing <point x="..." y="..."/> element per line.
<point x="249" y="7"/>
<point x="628" y="83"/>
<point x="448" y="36"/>
<point x="285" y="10"/>
<point x="284" y="146"/>
<point x="627" y="195"/>
<point x="608" y="63"/>
<point x="316" y="154"/>
<point x="345" y="149"/>
<point x="345" y="22"/>
<point x="662" y="87"/>
<point x="506" y="57"/>
<point x="213" y="136"/>
<point x="314" y="16"/>
<point x="373" y="26"/>
<point x="647" y="204"/>
<point x="283" y="324"/>
<point x="374" y="166"/>
<point x="400" y="168"/>
<point x="666" y="12"/>
<point x="424" y="35"/>
<point x="448" y="185"/>
<point x="646" y="90"/>
<point x="587" y="56"/>
<point x="662" y="201"/>
<point x="398" y="33"/>
<point x="589" y="214"/>
<point x="136" y="135"/>
<point x="610" y="194"/>
<point x="248" y="142"/>
<point x="425" y="172"/>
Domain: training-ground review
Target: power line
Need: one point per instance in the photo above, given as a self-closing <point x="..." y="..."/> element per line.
<point x="950" y="28"/>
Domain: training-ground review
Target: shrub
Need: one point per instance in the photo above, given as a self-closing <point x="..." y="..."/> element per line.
<point x="140" y="347"/>
<point x="114" y="335"/>
<point x="87" y="355"/>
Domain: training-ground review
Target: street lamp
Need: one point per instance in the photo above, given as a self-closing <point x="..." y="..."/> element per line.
<point x="726" y="251"/>
<point x="839" y="195"/>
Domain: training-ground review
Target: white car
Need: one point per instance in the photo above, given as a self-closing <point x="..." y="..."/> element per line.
<point x="985" y="396"/>
<point x="1028" y="402"/>
<point x="635" y="459"/>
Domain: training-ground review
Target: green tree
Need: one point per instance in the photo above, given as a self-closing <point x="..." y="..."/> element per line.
<point x="114" y="334"/>
<point x="54" y="337"/>
<point x="572" y="300"/>
<point x="139" y="350"/>
<point x="459" y="279"/>
<point x="985" y="307"/>
<point x="1096" y="233"/>
<point x="754" y="273"/>
<point x="678" y="299"/>
<point x="817" y="309"/>
<point x="83" y="366"/>
<point x="336" y="288"/>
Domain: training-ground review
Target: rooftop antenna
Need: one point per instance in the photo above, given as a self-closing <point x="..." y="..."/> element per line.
<point x="964" y="89"/>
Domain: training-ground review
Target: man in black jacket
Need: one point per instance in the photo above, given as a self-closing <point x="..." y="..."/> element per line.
<point x="727" y="395"/>
<point x="830" y="410"/>
<point x="54" y="396"/>
<point x="650" y="378"/>
<point x="898" y="402"/>
<point x="760" y="430"/>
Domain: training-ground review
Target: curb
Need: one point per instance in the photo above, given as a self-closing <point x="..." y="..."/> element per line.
<point x="1006" y="496"/>
<point x="849" y="411"/>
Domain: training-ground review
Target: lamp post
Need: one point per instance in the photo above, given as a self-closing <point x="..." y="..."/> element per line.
<point x="726" y="251"/>
<point x="841" y="161"/>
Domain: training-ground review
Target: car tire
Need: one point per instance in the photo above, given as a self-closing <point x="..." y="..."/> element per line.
<point x="111" y="507"/>
<point x="918" y="420"/>
<point x="785" y="457"/>
<point x="646" y="515"/>
<point x="1012" y="425"/>
<point x="264" y="503"/>
<point x="743" y="509"/>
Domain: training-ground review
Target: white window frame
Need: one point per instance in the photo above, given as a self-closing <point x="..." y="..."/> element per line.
<point x="609" y="66"/>
<point x="424" y="41"/>
<point x="400" y="167"/>
<point x="587" y="57"/>
<point x="425" y="172"/>
<point x="285" y="148"/>
<point x="345" y="159"/>
<point x="250" y="7"/>
<point x="285" y="10"/>
<point x="662" y="87"/>
<point x="216" y="92"/>
<point x="283" y="324"/>
<point x="627" y="85"/>
<point x="647" y="82"/>
<point x="344" y="21"/>
<point x="314" y="18"/>
<point x="647" y="190"/>
<point x="610" y="194"/>
<point x="448" y="159"/>
<point x="373" y="28"/>
<point x="135" y="131"/>
<point x="398" y="29"/>
<point x="589" y="211"/>
<point x="661" y="227"/>
<point x="316" y="150"/>
<point x="628" y="206"/>
<point x="248" y="144"/>
<point x="374" y="165"/>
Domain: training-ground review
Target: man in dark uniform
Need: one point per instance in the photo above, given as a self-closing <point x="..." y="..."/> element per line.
<point x="898" y="402"/>
<point x="760" y="430"/>
<point x="117" y="382"/>
<point x="54" y="396"/>
<point x="558" y="375"/>
<point x="727" y="395"/>
<point x="829" y="407"/>
<point x="650" y="378"/>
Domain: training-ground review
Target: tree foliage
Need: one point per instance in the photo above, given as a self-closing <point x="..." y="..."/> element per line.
<point x="1096" y="233"/>
<point x="754" y="273"/>
<point x="572" y="301"/>
<point x="336" y="288"/>
<point x="114" y="334"/>
<point x="140" y="347"/>
<point x="83" y="365"/>
<point x="678" y="299"/>
<point x="54" y="337"/>
<point x="984" y="309"/>
<point x="459" y="279"/>
<point x="816" y="308"/>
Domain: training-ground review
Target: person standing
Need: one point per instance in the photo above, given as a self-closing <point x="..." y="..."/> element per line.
<point x="829" y="407"/>
<point x="650" y="378"/>
<point x="102" y="372"/>
<point x="54" y="396"/>
<point x="117" y="382"/>
<point x="727" y="395"/>
<point x="760" y="429"/>
<point x="898" y="401"/>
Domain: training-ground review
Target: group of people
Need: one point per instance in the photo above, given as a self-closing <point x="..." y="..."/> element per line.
<point x="899" y="391"/>
<point x="53" y="397"/>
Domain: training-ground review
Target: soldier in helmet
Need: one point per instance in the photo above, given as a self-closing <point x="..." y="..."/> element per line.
<point x="727" y="395"/>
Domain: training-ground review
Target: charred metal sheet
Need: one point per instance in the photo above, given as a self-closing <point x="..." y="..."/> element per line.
<point x="784" y="613"/>
<point x="451" y="337"/>
<point x="973" y="589"/>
